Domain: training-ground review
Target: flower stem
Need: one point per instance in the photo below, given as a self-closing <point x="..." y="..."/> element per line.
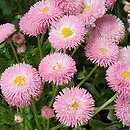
<point x="42" y="37"/>
<point x="13" y="49"/>
<point x="105" y="104"/>
<point x="35" y="113"/>
<point x="48" y="123"/>
<point x="54" y="94"/>
<point x="91" y="72"/>
<point x="57" y="127"/>
<point x="106" y="108"/>
<point x="125" y="2"/>
<point x="74" y="51"/>
<point x="39" y="47"/>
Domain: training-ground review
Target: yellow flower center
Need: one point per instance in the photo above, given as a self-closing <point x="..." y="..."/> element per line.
<point x="86" y="8"/>
<point x="102" y="51"/>
<point x="75" y="105"/>
<point x="58" y="66"/>
<point x="66" y="32"/>
<point x="45" y="9"/>
<point x="20" y="80"/>
<point x="126" y="74"/>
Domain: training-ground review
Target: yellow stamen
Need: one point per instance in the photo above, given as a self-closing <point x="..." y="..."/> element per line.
<point x="45" y="9"/>
<point x="20" y="80"/>
<point x="66" y="32"/>
<point x="57" y="66"/>
<point x="86" y="8"/>
<point x="126" y="74"/>
<point x="102" y="51"/>
<point x="75" y="105"/>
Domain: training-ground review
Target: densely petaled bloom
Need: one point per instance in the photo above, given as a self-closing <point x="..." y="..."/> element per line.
<point x="45" y="12"/>
<point x="70" y="7"/>
<point x="19" y="83"/>
<point x="73" y="106"/>
<point x="47" y="112"/>
<point x="109" y="27"/>
<point x="18" y="118"/>
<point x="21" y="48"/>
<point x="125" y="54"/>
<point x="102" y="51"/>
<point x="18" y="38"/>
<point x="122" y="108"/>
<point x="6" y="30"/>
<point x="58" y="68"/>
<point x="67" y="33"/>
<point x="118" y="77"/>
<point x="93" y="9"/>
<point x="110" y="3"/>
<point x="29" y="27"/>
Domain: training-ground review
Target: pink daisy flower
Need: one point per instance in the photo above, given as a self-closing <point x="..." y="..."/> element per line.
<point x="73" y="106"/>
<point x="110" y="3"/>
<point x="125" y="54"/>
<point x="118" y="77"/>
<point x="58" y="68"/>
<point x="122" y="109"/>
<point x="93" y="9"/>
<point x="6" y="30"/>
<point x="19" y="83"/>
<point x="104" y="28"/>
<point x="70" y="7"/>
<point x="102" y="51"/>
<point x="67" y="34"/>
<point x="45" y="12"/>
<point x="29" y="27"/>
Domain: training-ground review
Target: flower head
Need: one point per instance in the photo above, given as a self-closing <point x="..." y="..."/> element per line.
<point x="21" y="48"/>
<point x="67" y="34"/>
<point x="122" y="108"/>
<point x="102" y="51"/>
<point x="93" y="9"/>
<point x="19" y="83"/>
<point x="47" y="112"/>
<point x="73" y="106"/>
<point x="57" y="68"/>
<point x="118" y="77"/>
<point x="70" y="7"/>
<point x="6" y="30"/>
<point x="110" y="3"/>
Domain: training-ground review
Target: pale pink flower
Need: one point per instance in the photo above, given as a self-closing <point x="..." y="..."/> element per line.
<point x="45" y="12"/>
<point x="70" y="7"/>
<point x="110" y="3"/>
<point x="109" y="27"/>
<point x="18" y="118"/>
<point x="29" y="27"/>
<point x="118" y="77"/>
<point x="18" y="38"/>
<point x="47" y="112"/>
<point x="127" y="7"/>
<point x="6" y="30"/>
<point x="58" y="68"/>
<point x="67" y="33"/>
<point x="21" y="48"/>
<point x="122" y="109"/>
<point x="73" y="106"/>
<point x="93" y="9"/>
<point x="102" y="51"/>
<point x="125" y="54"/>
<point x="19" y="83"/>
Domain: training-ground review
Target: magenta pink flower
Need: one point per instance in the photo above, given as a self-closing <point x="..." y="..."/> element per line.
<point x="29" y="27"/>
<point x="66" y="34"/>
<point x="118" y="77"/>
<point x="122" y="108"/>
<point x="47" y="112"/>
<point x="58" y="68"/>
<point x="19" y="83"/>
<point x="70" y="7"/>
<point x="93" y="9"/>
<point x="102" y="51"/>
<point x="6" y="30"/>
<point x="104" y="28"/>
<point x="44" y="13"/>
<point x="73" y="106"/>
<point x="110" y="3"/>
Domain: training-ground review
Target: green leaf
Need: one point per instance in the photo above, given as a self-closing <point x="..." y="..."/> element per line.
<point x="111" y="115"/>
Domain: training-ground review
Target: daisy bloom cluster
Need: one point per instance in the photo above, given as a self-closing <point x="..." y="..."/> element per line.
<point x="73" y="106"/>
<point x="19" y="83"/>
<point x="58" y="68"/>
<point x="6" y="30"/>
<point x="122" y="109"/>
<point x="67" y="33"/>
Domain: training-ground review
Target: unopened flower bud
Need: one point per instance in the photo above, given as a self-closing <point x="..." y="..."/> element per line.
<point x="21" y="48"/>
<point x="18" y="118"/>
